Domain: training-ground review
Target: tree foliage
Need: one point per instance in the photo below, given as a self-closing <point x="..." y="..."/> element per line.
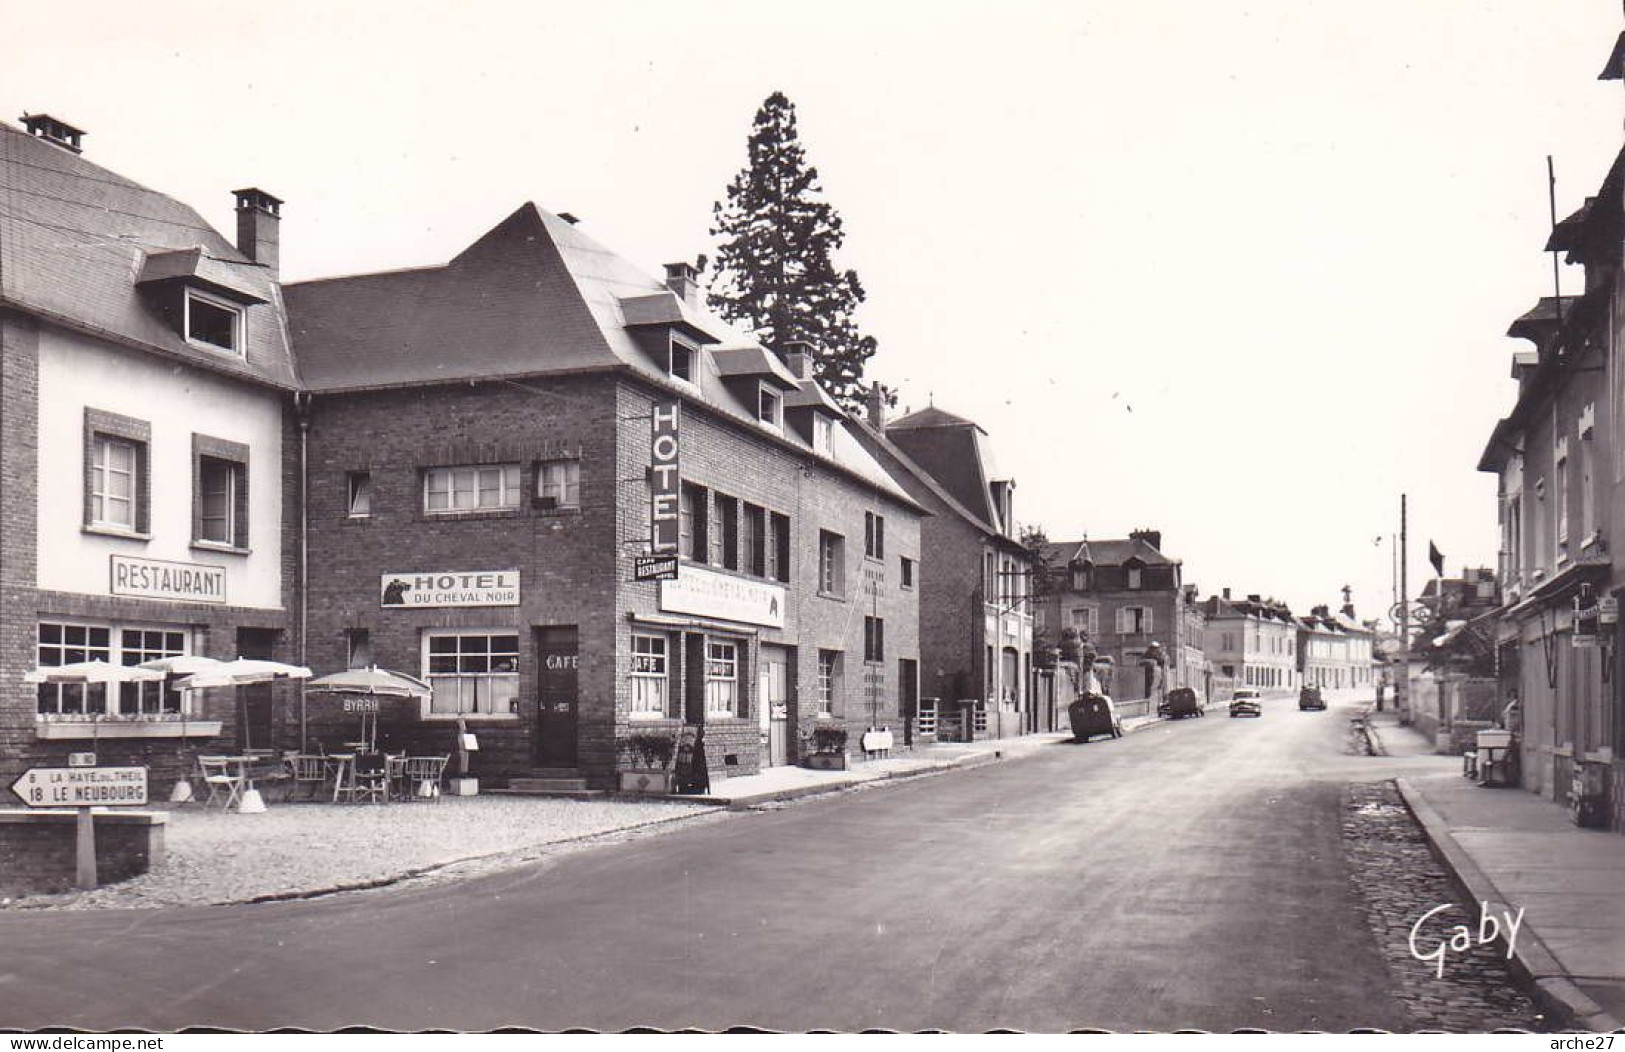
<point x="774" y="266"/>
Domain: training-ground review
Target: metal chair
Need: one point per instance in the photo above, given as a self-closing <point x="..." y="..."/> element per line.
<point x="371" y="778"/>
<point x="308" y="772"/>
<point x="423" y="774"/>
<point x="220" y="774"/>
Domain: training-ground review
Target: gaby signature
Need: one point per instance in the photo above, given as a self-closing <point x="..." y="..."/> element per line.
<point x="1462" y="938"/>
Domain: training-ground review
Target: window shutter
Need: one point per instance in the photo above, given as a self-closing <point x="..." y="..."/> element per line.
<point x="1147" y="612"/>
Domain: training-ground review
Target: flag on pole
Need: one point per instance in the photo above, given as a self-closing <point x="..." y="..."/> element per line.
<point x="1436" y="557"/>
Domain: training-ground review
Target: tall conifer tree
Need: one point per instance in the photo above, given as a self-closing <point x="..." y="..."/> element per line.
<point x="774" y="271"/>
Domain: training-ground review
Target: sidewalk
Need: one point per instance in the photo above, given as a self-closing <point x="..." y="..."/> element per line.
<point x="789" y="783"/>
<point x="1515" y="850"/>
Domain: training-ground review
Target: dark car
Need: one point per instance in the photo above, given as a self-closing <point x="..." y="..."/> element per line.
<point x="1093" y="714"/>
<point x="1181" y="702"/>
<point x="1310" y="698"/>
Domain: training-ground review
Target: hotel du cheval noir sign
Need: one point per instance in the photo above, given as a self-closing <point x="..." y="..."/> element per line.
<point x="424" y="589"/>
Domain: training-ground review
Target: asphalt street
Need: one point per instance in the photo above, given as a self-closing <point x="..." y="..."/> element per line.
<point x="1188" y="876"/>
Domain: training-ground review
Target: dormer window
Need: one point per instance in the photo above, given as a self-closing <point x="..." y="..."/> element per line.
<point x="1134" y="577"/>
<point x="823" y="434"/>
<point x="769" y="406"/>
<point x="680" y="362"/>
<point x="214" y="321"/>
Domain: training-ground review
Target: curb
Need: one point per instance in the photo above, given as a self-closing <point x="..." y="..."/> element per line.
<point x="1531" y="961"/>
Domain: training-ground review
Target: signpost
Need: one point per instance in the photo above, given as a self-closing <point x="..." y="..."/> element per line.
<point x="83" y="788"/>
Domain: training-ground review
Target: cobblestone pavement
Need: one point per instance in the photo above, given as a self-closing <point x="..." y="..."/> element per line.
<point x="1397" y="880"/>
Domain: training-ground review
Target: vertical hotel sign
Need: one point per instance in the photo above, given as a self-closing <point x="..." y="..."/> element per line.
<point x="665" y="478"/>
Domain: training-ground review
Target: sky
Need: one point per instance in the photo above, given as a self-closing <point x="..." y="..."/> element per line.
<point x="1236" y="271"/>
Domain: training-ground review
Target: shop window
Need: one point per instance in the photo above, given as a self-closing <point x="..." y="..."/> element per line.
<point x="651" y="677"/>
<point x="358" y="494"/>
<point x="558" y="484"/>
<point x="721" y="678"/>
<point x="59" y="643"/>
<point x="214" y="321"/>
<point x="906" y="571"/>
<point x="874" y="639"/>
<point x="485" y="487"/>
<point x="874" y="536"/>
<point x="831" y="564"/>
<point x="829" y="682"/>
<point x="471" y="673"/>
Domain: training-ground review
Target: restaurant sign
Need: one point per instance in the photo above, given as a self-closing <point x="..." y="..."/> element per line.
<point x="711" y="594"/>
<point x="156" y="579"/>
<point x="413" y="589"/>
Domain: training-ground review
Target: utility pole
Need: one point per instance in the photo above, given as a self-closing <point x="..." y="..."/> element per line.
<point x="1402" y="690"/>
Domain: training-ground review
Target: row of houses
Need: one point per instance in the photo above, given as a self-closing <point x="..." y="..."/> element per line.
<point x="462" y="470"/>
<point x="1558" y="456"/>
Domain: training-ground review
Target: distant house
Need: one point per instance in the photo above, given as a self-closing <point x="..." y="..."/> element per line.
<point x="1130" y="601"/>
<point x="1252" y="642"/>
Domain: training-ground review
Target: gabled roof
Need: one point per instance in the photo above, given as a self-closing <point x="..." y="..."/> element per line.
<point x="74" y="236"/>
<point x="534" y="296"/>
<point x="890" y="452"/>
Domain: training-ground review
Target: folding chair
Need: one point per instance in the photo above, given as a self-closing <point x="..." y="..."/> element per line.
<point x="219" y="774"/>
<point x="307" y="772"/>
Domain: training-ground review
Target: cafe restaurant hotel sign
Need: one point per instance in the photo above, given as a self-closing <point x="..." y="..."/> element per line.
<point x="156" y="579"/>
<point x="425" y="589"/>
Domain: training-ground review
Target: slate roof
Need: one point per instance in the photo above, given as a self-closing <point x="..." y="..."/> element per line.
<point x="889" y="449"/>
<point x="534" y="296"/>
<point x="954" y="452"/>
<point x="74" y="236"/>
<point x="1539" y="319"/>
<point x="1107" y="552"/>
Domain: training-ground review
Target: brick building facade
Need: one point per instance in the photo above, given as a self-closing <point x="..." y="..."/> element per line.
<point x="143" y="388"/>
<point x="475" y="518"/>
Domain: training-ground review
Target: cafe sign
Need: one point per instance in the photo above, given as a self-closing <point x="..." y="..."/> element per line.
<point x="176" y="582"/>
<point x="711" y="594"/>
<point x="421" y="590"/>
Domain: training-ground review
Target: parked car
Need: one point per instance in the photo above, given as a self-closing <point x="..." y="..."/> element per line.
<point x="1093" y="714"/>
<point x="1180" y="702"/>
<point x="1246" y="701"/>
<point x="1310" y="698"/>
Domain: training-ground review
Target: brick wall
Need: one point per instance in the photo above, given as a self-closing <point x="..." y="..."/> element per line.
<point x="19" y="461"/>
<point x="38" y="849"/>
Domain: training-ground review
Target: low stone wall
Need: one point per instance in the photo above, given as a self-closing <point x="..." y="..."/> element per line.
<point x="37" y="848"/>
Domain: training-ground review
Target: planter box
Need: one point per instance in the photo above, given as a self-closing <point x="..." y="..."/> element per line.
<point x="462" y="786"/>
<point x="647" y="781"/>
<point x="825" y="761"/>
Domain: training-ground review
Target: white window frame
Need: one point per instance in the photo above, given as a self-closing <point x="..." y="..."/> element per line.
<point x="724" y="700"/>
<point x="108" y="703"/>
<point x="823" y="434"/>
<point x="829" y="681"/>
<point x="1134" y="577"/>
<point x="907" y="572"/>
<point x="831" y="564"/>
<point x="425" y="643"/>
<point x="1091" y="620"/>
<point x="231" y="469"/>
<point x="690" y="356"/>
<point x="510" y="483"/>
<point x="649" y="676"/>
<point x="769" y="405"/>
<point x="561" y="480"/>
<point x="101" y="471"/>
<point x="239" y="323"/>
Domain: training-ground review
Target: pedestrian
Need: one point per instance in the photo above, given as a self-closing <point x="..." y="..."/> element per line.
<point x="1512" y="716"/>
<point x="1382" y="688"/>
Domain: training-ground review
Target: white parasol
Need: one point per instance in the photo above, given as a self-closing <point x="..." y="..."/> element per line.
<point x="372" y="682"/>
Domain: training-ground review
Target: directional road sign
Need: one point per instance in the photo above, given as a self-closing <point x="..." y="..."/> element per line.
<point x="82" y="787"/>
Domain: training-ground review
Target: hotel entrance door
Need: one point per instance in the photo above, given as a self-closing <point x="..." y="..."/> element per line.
<point x="773" y="705"/>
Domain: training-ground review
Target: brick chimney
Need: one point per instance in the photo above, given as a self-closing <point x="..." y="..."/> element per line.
<point x="1227" y="593"/>
<point x="259" y="219"/>
<point x="875" y="400"/>
<point x="798" y="358"/>
<point x="1151" y="537"/>
<point x="60" y="132"/>
<point x="684" y="280"/>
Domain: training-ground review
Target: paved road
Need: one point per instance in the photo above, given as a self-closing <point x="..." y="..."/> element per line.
<point x="1190" y="875"/>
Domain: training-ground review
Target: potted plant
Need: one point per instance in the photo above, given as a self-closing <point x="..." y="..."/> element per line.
<point x="826" y="749"/>
<point x="650" y="754"/>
